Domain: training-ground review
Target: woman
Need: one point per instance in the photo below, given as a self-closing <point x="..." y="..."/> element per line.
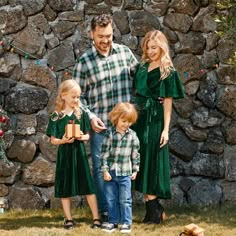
<point x="156" y="84"/>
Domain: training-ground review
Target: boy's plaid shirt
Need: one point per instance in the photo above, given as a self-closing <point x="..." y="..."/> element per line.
<point x="120" y="152"/>
<point x="105" y="81"/>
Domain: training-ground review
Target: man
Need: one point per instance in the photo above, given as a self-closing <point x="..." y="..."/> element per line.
<point x="105" y="73"/>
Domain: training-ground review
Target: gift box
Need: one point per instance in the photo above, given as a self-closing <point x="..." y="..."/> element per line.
<point x="194" y="230"/>
<point x="73" y="130"/>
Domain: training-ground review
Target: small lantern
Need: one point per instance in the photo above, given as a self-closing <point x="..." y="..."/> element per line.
<point x="2" y="205"/>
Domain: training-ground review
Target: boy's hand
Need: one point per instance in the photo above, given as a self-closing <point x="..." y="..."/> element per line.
<point x="106" y="176"/>
<point x="133" y="176"/>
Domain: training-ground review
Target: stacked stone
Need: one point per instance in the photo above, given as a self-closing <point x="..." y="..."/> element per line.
<point x="202" y="138"/>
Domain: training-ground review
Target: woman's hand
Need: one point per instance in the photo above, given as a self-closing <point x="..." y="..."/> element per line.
<point x="164" y="138"/>
<point x="106" y="176"/>
<point x="167" y="103"/>
<point x="133" y="176"/>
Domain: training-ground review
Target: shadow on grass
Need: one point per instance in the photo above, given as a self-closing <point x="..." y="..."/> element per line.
<point x="224" y="215"/>
<point x="31" y="221"/>
<point x="14" y="220"/>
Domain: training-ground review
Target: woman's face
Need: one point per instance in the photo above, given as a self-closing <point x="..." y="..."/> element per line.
<point x="153" y="51"/>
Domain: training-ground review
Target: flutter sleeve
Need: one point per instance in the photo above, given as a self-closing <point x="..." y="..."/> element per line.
<point x="52" y="129"/>
<point x="172" y="86"/>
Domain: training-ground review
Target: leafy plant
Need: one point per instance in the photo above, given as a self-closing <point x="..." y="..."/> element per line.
<point x="225" y="17"/>
<point x="4" y="119"/>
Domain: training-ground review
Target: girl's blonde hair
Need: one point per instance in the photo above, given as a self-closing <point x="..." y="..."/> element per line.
<point x="161" y="42"/>
<point x="66" y="87"/>
<point x="123" y="110"/>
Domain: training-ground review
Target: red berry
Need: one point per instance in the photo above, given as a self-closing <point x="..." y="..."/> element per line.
<point x="3" y="119"/>
<point x="1" y="133"/>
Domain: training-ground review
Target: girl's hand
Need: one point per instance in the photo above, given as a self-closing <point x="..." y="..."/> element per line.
<point x="164" y="138"/>
<point x="67" y="140"/>
<point x="133" y="176"/>
<point x="83" y="137"/>
<point x="106" y="176"/>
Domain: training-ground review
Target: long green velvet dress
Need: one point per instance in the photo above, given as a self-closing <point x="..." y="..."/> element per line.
<point x="154" y="175"/>
<point x="73" y="175"/>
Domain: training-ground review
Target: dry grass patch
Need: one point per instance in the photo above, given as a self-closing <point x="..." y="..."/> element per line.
<point x="217" y="221"/>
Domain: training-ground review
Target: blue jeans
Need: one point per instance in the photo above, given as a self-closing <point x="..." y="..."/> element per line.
<point x="119" y="199"/>
<point x="96" y="140"/>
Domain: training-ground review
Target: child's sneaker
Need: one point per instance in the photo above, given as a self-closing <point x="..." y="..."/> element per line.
<point x="125" y="228"/>
<point x="109" y="227"/>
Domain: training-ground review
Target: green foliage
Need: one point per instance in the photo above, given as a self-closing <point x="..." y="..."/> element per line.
<point x="4" y="121"/>
<point x="225" y="4"/>
<point x="232" y="60"/>
<point x="226" y="19"/>
<point x="226" y="26"/>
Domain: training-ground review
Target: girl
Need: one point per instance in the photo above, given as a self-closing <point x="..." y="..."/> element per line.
<point x="120" y="164"/>
<point x="156" y="84"/>
<point x="72" y="169"/>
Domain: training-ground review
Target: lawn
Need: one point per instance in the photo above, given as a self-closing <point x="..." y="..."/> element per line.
<point x="217" y="221"/>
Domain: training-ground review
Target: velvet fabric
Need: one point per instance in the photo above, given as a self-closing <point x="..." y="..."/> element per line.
<point x="72" y="175"/>
<point x="154" y="175"/>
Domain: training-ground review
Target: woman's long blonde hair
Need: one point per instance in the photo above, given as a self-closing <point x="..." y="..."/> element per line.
<point x="65" y="88"/>
<point x="161" y="41"/>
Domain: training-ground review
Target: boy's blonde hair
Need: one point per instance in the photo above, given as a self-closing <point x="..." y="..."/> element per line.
<point x="124" y="110"/>
<point x="161" y="42"/>
<point x="66" y="87"/>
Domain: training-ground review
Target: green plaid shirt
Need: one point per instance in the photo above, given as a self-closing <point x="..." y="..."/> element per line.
<point x="105" y="81"/>
<point x="120" y="152"/>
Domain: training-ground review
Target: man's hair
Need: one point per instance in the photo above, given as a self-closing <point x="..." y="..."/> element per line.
<point x="101" y="20"/>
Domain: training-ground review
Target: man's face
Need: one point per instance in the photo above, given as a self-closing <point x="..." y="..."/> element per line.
<point x="102" y="37"/>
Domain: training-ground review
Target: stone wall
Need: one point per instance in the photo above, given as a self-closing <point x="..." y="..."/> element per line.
<point x="40" y="41"/>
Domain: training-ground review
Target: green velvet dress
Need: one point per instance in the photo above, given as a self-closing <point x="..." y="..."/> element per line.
<point x="73" y="175"/>
<point x="154" y="175"/>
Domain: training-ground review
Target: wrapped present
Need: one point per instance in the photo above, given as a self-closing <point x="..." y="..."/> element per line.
<point x="193" y="230"/>
<point x="73" y="130"/>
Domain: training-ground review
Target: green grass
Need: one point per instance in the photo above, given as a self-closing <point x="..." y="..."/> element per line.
<point x="217" y="221"/>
